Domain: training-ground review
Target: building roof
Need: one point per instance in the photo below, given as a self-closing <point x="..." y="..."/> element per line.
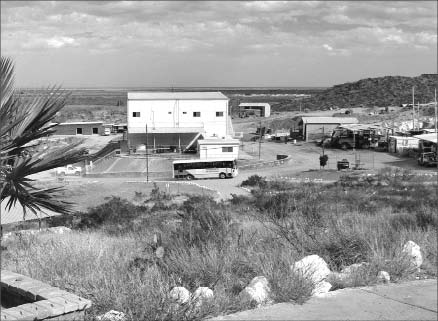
<point x="329" y="120"/>
<point x="197" y="160"/>
<point x="154" y="95"/>
<point x="254" y="104"/>
<point x="428" y="137"/>
<point x="83" y="123"/>
<point x="218" y="141"/>
<point x="404" y="137"/>
<point x="16" y="213"/>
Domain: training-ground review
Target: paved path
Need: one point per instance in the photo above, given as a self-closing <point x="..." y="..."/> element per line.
<point x="414" y="300"/>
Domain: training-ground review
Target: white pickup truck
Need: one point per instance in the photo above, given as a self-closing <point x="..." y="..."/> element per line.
<point x="69" y="170"/>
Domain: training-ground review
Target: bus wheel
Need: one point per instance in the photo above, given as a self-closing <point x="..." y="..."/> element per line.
<point x="222" y="175"/>
<point x="189" y="177"/>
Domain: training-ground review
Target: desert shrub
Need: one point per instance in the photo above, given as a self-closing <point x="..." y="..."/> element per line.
<point x="240" y="200"/>
<point x="255" y="181"/>
<point x="202" y="220"/>
<point x="158" y="195"/>
<point x="343" y="247"/>
<point x="296" y="215"/>
<point x="403" y="221"/>
<point x="426" y="218"/>
<point x="423" y="218"/>
<point x="279" y="185"/>
<point x="116" y="215"/>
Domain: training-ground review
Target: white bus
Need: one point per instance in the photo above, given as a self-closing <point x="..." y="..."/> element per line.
<point x="212" y="168"/>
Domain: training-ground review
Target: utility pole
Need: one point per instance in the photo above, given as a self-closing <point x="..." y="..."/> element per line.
<point x="436" y="146"/>
<point x="146" y="154"/>
<point x="260" y="138"/>
<point x="413" y="108"/>
<point x="323" y="136"/>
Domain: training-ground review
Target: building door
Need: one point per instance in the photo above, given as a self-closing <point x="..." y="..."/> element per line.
<point x="78" y="131"/>
<point x="95" y="130"/>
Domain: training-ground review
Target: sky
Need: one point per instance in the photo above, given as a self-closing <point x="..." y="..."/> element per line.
<point x="216" y="43"/>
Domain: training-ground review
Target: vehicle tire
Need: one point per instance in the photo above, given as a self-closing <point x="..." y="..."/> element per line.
<point x="345" y="146"/>
<point x="78" y="173"/>
<point x="189" y="177"/>
<point x="222" y="175"/>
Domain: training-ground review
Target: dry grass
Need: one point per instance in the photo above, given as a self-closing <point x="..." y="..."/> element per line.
<point x="222" y="246"/>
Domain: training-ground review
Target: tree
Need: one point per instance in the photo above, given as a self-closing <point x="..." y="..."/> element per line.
<point x="23" y="122"/>
<point x="323" y="159"/>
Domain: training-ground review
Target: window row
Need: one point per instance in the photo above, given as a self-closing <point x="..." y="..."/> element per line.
<point x="195" y="113"/>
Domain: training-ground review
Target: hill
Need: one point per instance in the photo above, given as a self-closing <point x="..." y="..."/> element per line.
<point x="380" y="92"/>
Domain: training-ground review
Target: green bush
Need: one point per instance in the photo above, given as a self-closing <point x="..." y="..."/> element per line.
<point x="255" y="181"/>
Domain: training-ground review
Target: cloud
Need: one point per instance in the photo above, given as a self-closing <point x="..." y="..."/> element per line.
<point x="58" y="42"/>
<point x="225" y="30"/>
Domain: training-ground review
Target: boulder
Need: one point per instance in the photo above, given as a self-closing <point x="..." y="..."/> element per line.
<point x="321" y="288"/>
<point x="384" y="276"/>
<point x="413" y="252"/>
<point x="258" y="290"/>
<point x="112" y="316"/>
<point x="180" y="294"/>
<point x="312" y="267"/>
<point x="202" y="294"/>
<point x="59" y="229"/>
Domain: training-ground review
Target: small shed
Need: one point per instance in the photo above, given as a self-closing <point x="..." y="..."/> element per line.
<point x="402" y="144"/>
<point x="314" y="128"/>
<point x="263" y="109"/>
<point x="428" y="142"/>
<point x="218" y="148"/>
<point x="80" y="128"/>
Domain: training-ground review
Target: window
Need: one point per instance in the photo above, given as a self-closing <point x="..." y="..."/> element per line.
<point x="78" y="131"/>
<point x="169" y="112"/>
<point x="136" y="114"/>
<point x="227" y="149"/>
<point x="219" y="114"/>
<point x="95" y="130"/>
<point x="196" y="114"/>
<point x="184" y="112"/>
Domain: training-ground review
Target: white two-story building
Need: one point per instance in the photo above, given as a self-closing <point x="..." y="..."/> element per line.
<point x="176" y="119"/>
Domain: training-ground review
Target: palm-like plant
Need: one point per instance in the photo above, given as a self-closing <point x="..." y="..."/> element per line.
<point x="22" y="123"/>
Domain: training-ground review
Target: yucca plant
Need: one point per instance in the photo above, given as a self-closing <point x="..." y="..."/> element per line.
<point x="22" y="124"/>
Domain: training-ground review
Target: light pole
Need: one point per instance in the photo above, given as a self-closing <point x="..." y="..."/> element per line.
<point x="260" y="138"/>
<point x="146" y="154"/>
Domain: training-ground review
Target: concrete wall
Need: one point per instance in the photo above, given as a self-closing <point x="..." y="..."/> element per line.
<point x="71" y="129"/>
<point x="170" y="114"/>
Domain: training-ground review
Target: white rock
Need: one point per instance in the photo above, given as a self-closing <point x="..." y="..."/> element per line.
<point x="258" y="290"/>
<point x="112" y="316"/>
<point x="384" y="276"/>
<point x="202" y="294"/>
<point x="180" y="294"/>
<point x="312" y="267"/>
<point x="413" y="251"/>
<point x="321" y="288"/>
<point x="59" y="229"/>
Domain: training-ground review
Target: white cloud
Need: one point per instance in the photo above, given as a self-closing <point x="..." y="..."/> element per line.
<point x="58" y="42"/>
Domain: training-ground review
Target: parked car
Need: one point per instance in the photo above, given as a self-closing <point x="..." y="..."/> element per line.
<point x="69" y="170"/>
